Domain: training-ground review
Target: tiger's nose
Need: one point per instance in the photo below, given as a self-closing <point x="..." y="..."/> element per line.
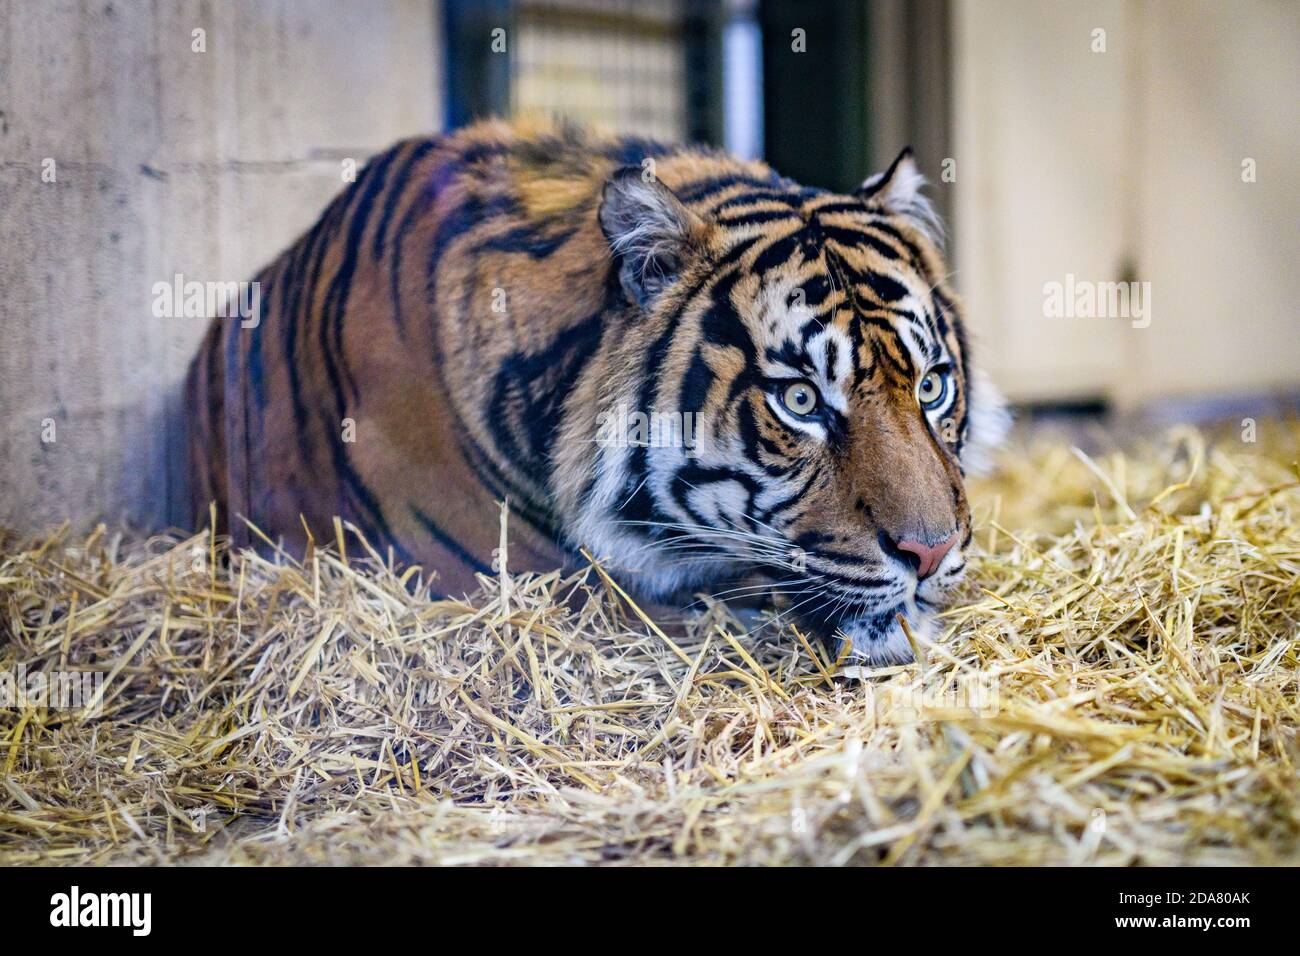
<point x="929" y="554"/>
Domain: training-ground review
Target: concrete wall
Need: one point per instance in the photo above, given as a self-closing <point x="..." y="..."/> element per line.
<point x="165" y="159"/>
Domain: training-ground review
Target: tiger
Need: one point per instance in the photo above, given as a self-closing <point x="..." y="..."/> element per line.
<point x="474" y="321"/>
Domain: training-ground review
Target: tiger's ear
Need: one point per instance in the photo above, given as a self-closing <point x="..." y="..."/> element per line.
<point x="897" y="191"/>
<point x="649" y="231"/>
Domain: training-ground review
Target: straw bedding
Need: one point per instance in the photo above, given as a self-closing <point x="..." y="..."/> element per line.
<point x="1119" y="686"/>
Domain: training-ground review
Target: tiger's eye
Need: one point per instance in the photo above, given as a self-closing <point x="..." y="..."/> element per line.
<point x="931" y="388"/>
<point x="800" y="398"/>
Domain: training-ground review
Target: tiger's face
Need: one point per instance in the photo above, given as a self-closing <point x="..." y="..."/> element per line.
<point x="810" y="344"/>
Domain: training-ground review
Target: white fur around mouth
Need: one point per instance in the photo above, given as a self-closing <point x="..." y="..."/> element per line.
<point x="890" y="646"/>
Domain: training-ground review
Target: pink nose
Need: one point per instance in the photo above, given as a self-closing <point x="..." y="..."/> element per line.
<point x="930" y="554"/>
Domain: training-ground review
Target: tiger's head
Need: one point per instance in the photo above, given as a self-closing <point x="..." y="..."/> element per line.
<point x="808" y="353"/>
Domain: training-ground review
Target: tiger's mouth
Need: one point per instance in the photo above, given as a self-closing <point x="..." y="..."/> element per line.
<point x="826" y="613"/>
<point x="868" y="618"/>
<point x="871" y="627"/>
<point x="861" y="605"/>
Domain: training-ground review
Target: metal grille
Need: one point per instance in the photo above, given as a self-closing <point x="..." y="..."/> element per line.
<point x="620" y="64"/>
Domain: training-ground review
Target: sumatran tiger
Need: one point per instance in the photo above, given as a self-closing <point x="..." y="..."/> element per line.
<point x="695" y="369"/>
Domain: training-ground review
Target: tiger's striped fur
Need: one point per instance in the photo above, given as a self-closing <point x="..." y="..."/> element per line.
<point x="477" y="307"/>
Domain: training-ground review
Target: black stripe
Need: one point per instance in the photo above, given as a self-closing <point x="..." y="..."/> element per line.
<point x="721" y="324"/>
<point x="528" y="393"/>
<point x="852" y="238"/>
<point x="885" y="288"/>
<point x="757" y="218"/>
<point x="632" y="150"/>
<point x="770" y="515"/>
<point x="532" y="240"/>
<point x="367" y="188"/>
<point x="963" y="364"/>
<point x="700" y="190"/>
<point x="456" y="224"/>
<point x="835" y="208"/>
<point x="396" y="191"/>
<point x="368" y="515"/>
<point x="254" y="368"/>
<point x="913" y="251"/>
<point x="779" y="252"/>
<point x="297" y="309"/>
<point x="503" y="488"/>
<point x="442" y="176"/>
<point x="448" y="542"/>
<point x="692" y="477"/>
<point x="696" y="383"/>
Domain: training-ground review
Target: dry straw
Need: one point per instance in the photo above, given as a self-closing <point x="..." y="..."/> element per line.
<point x="1119" y="687"/>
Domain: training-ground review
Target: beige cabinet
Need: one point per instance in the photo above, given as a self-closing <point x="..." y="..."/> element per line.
<point x="1152" y="143"/>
